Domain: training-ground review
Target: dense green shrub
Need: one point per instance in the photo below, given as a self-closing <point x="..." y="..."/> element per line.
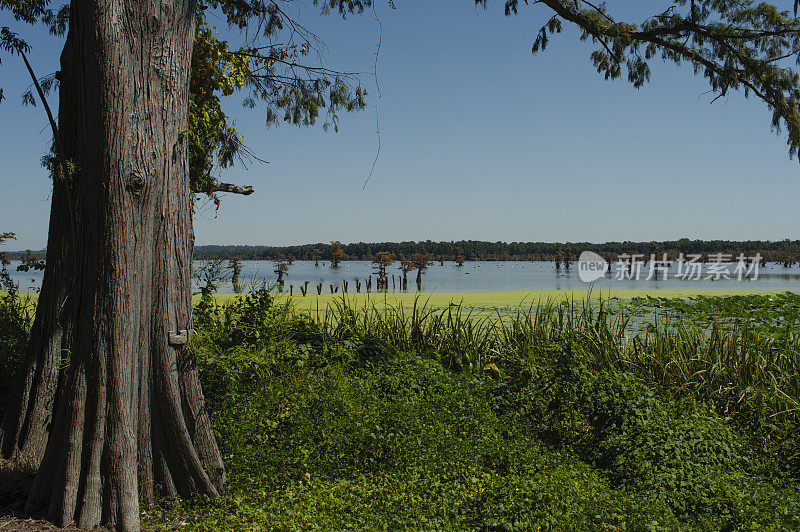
<point x="692" y="460"/>
<point x="16" y="316"/>
<point x="246" y="321"/>
<point x="617" y="404"/>
<point x="398" y="441"/>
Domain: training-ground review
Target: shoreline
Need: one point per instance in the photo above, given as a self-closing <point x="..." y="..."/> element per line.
<point x="511" y="298"/>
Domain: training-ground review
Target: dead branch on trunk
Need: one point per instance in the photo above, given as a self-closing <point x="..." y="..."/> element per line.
<point x="245" y="190"/>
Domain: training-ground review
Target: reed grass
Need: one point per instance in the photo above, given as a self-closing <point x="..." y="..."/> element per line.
<point x="735" y="365"/>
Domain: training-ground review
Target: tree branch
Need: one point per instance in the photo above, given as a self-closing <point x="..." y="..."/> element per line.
<point x="44" y="101"/>
<point x="655" y="35"/>
<point x="233" y="189"/>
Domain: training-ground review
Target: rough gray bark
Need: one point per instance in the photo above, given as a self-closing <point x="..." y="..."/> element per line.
<point x="29" y="410"/>
<point x="107" y="405"/>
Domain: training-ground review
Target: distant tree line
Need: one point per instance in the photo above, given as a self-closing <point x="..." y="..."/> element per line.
<point x="771" y="251"/>
<point x="784" y="251"/>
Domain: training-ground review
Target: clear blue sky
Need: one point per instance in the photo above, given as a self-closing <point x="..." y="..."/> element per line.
<point x="481" y="140"/>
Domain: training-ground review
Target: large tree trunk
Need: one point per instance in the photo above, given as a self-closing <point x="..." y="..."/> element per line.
<point x="108" y="400"/>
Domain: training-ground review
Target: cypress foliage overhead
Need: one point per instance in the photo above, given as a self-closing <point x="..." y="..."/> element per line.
<point x="280" y="67"/>
<point x="735" y="44"/>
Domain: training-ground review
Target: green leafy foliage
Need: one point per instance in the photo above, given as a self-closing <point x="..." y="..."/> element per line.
<point x="691" y="460"/>
<point x="774" y="314"/>
<point x="688" y="458"/>
<point x="16" y="318"/>
<point x="213" y="139"/>
<point x="618" y="404"/>
<point x="358" y="423"/>
<point x="283" y="77"/>
<point x="742" y="45"/>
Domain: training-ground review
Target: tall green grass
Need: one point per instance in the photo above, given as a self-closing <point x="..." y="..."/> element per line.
<point x="736" y="365"/>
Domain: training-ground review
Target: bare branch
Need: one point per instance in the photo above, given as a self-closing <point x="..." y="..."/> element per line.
<point x="36" y="84"/>
<point x="233" y="189"/>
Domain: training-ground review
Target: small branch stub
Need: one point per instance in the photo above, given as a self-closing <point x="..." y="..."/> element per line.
<point x="233" y="189"/>
<point x="182" y="337"/>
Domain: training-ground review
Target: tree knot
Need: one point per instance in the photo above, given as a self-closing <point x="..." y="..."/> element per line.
<point x="135" y="183"/>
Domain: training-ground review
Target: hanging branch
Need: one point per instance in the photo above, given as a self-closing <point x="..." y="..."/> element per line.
<point x="39" y="90"/>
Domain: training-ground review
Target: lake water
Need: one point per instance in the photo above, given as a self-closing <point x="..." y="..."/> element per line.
<point x="479" y="276"/>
